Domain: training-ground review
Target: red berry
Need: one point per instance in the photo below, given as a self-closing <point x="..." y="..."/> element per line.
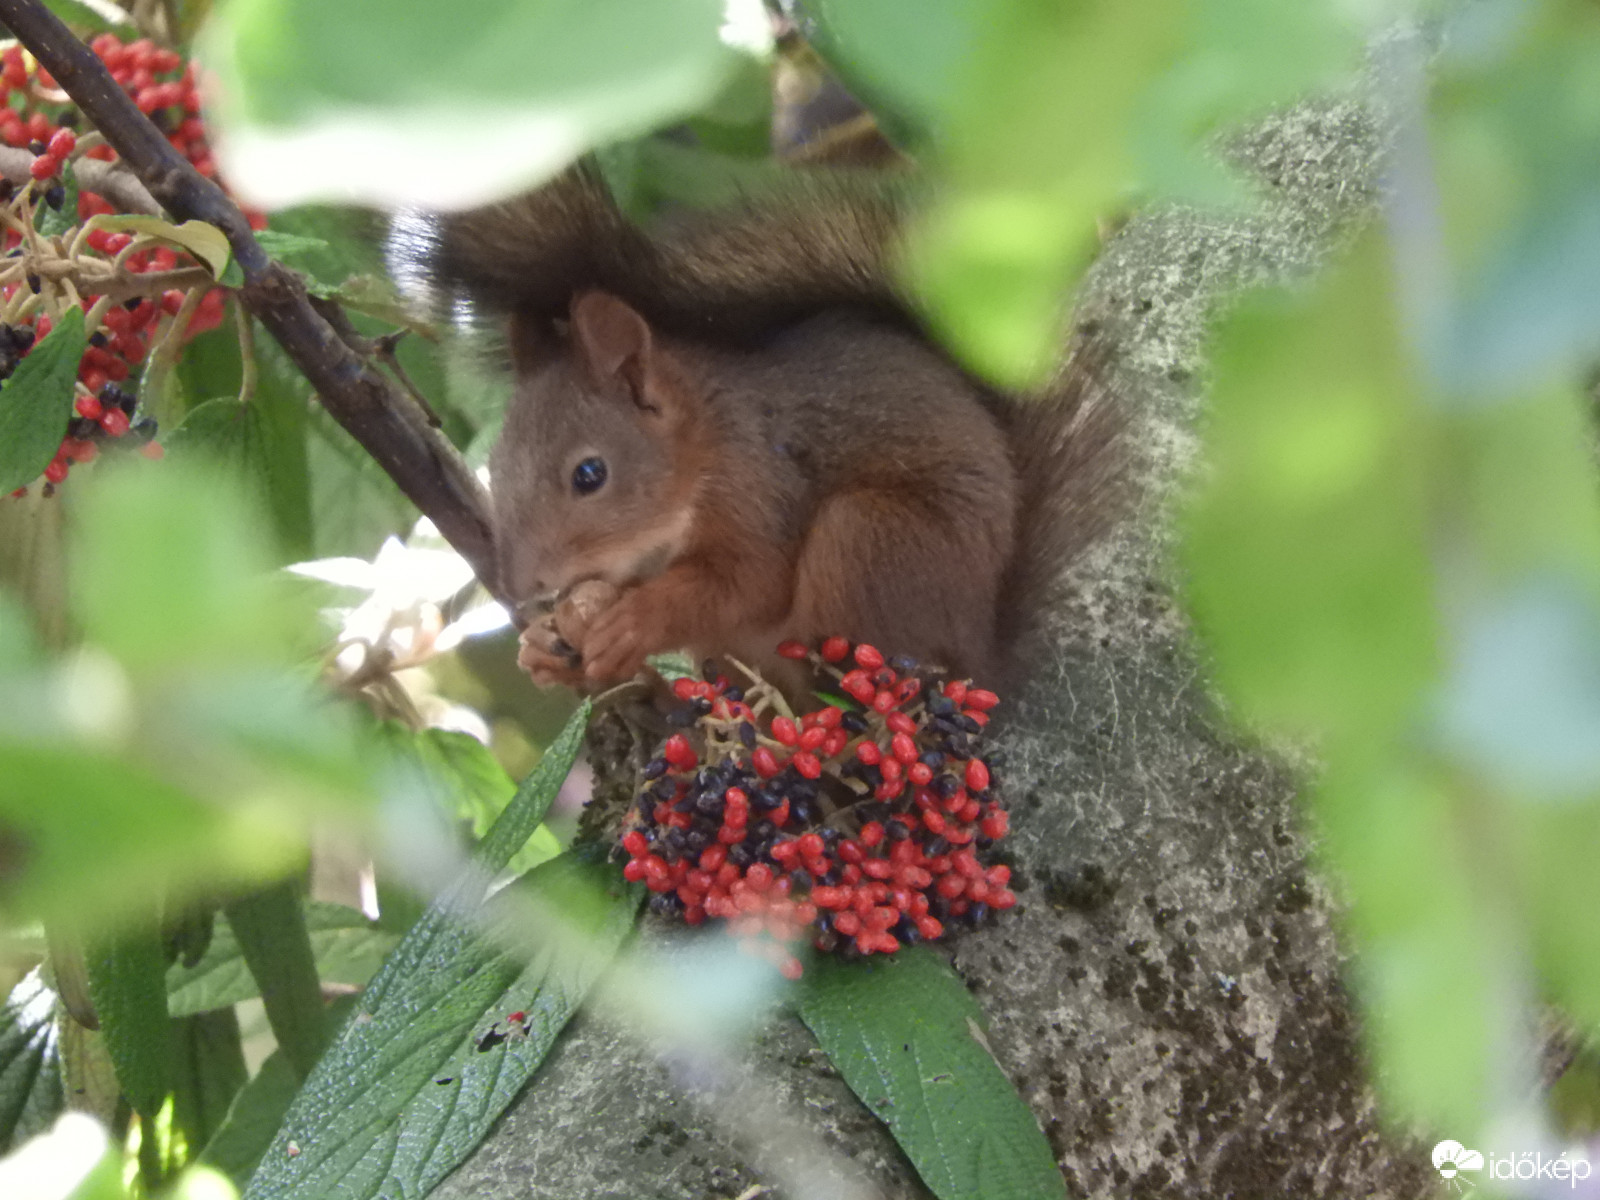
<point x="835" y="648"/>
<point x="981" y="698"/>
<point x="811" y="845"/>
<point x="847" y="923"/>
<point x="813" y="737"/>
<point x="901" y="723"/>
<point x="857" y="686"/>
<point x="794" y="650"/>
<point x="635" y="843"/>
<point x="829" y="718"/>
<point x="57" y="470"/>
<point x="977" y="774"/>
<point x="62" y="143"/>
<point x="679" y="752"/>
<point x="883" y="701"/>
<point x="806" y="763"/>
<point x="633" y="870"/>
<point x="996" y="824"/>
<point x="765" y="762"/>
<point x="783" y="730"/>
<point x="956" y="689"/>
<point x="871" y="834"/>
<point x="1002" y="898"/>
<point x="929" y="928"/>
<point x="904" y="748"/>
<point x="43" y="167"/>
<point x="920" y="774"/>
<point x="790" y="968"/>
<point x="684" y="688"/>
<point x="868" y="657"/>
<point x="869" y="753"/>
<point x="114" y="421"/>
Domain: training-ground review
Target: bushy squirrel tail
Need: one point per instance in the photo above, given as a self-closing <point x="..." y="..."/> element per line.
<point x="782" y="247"/>
<point x="1071" y="459"/>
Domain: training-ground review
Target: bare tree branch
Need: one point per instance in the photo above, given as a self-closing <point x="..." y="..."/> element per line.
<point x="109" y="179"/>
<point x="387" y="423"/>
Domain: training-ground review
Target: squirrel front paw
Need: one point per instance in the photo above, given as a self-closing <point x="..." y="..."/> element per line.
<point x="548" y="657"/>
<point x="549" y="650"/>
<point x="616" y="643"/>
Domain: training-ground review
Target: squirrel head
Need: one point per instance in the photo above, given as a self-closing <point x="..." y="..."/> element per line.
<point x="594" y="474"/>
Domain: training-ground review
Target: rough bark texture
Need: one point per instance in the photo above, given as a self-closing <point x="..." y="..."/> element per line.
<point x="1167" y="996"/>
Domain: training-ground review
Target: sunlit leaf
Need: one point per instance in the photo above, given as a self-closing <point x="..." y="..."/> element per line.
<point x="75" y="1160"/>
<point x="322" y="100"/>
<point x="1308" y="545"/>
<point x="172" y="567"/>
<point x="31" y="1094"/>
<point x="1435" y="950"/>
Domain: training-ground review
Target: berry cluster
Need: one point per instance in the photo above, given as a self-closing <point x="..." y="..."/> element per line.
<point x="36" y="115"/>
<point x="864" y="824"/>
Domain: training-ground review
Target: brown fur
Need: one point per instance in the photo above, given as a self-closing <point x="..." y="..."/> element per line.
<point x="787" y="455"/>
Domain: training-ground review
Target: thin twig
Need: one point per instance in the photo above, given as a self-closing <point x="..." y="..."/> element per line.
<point x="387" y="423"/>
<point x="247" y="354"/>
<point x="111" y="180"/>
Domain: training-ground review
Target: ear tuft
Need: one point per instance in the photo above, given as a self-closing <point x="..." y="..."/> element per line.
<point x="610" y="339"/>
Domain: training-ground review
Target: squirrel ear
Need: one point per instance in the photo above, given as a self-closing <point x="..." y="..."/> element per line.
<point x="612" y="341"/>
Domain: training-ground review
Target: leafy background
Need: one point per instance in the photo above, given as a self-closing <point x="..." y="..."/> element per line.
<point x="1391" y="556"/>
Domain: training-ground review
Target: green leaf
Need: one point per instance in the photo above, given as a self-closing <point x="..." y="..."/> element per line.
<point x="905" y="61"/>
<point x="271" y="932"/>
<point x="1433" y="941"/>
<point x="205" y="242"/>
<point x="209" y="1070"/>
<point x="412" y="1084"/>
<point x="127" y="984"/>
<point x="481" y="789"/>
<point x="36" y="403"/>
<point x="347" y="946"/>
<point x="253" y="1120"/>
<point x="93" y="17"/>
<point x="907" y="1037"/>
<point x="533" y="799"/>
<point x="52" y="222"/>
<point x="316" y="99"/>
<point x="31" y="1095"/>
<point x="1307" y="549"/>
<point x="99" y="829"/>
<point x="282" y="245"/>
<point x="173" y="567"/>
<point x="260" y="442"/>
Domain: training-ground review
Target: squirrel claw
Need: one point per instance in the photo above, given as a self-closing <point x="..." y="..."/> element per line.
<point x="615" y="645"/>
<point x="548" y="658"/>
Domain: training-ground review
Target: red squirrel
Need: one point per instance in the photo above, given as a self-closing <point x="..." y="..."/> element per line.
<point x="733" y="419"/>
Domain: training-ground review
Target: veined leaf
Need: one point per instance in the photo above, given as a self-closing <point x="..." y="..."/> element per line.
<point x="908" y="1038"/>
<point x="36" y="403"/>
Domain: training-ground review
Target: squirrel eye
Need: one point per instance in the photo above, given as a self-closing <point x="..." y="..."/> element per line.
<point x="589" y="476"/>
